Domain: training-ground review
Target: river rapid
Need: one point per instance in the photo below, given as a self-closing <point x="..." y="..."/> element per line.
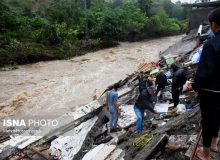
<point x="56" y="87"/>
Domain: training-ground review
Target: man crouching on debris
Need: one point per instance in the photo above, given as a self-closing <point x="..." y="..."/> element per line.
<point x="207" y="83"/>
<point x="145" y="100"/>
<point x="161" y="81"/>
<point x="179" y="79"/>
<point x="113" y="107"/>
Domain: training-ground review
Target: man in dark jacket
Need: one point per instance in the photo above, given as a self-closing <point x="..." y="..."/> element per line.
<point x="145" y="101"/>
<point x="142" y="81"/>
<point x="179" y="79"/>
<point x="161" y="81"/>
<point x="207" y="83"/>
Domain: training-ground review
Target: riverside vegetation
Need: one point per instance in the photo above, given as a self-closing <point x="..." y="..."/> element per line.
<point x="38" y="30"/>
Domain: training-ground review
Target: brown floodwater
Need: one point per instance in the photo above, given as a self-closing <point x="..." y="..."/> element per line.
<point x="56" y="87"/>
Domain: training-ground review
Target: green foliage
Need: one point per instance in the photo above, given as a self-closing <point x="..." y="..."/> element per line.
<point x="161" y="24"/>
<point x="65" y="11"/>
<point x="55" y="34"/>
<point x="9" y="19"/>
<point x="145" y="6"/>
<point x="107" y="22"/>
<point x="22" y="7"/>
<point x="172" y="10"/>
<point x="33" y="30"/>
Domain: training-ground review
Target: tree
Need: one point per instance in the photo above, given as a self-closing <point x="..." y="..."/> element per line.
<point x="65" y="11"/>
<point x="145" y="6"/>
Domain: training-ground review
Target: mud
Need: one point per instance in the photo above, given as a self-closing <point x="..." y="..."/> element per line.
<point x="56" y="87"/>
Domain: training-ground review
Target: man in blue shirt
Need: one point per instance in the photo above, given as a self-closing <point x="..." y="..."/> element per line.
<point x="207" y="83"/>
<point x="113" y="107"/>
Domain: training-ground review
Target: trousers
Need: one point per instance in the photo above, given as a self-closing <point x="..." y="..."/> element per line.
<point x="210" y="110"/>
<point x="140" y="115"/>
<point x="113" y="117"/>
<point x="175" y="95"/>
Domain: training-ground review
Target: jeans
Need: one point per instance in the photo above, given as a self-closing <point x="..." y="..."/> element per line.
<point x="140" y="115"/>
<point x="113" y="117"/>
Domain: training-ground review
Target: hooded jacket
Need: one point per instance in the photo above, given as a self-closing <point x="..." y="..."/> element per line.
<point x="179" y="77"/>
<point x="208" y="72"/>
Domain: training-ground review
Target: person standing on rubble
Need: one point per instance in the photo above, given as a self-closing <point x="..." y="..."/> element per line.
<point x="145" y="101"/>
<point x="161" y="81"/>
<point x="142" y="79"/>
<point x="207" y="83"/>
<point x="178" y="80"/>
<point x="113" y="107"/>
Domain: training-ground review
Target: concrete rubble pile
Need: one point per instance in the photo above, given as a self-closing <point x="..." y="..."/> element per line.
<point x="84" y="135"/>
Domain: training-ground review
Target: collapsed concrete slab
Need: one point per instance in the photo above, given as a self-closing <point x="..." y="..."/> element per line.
<point x="105" y="152"/>
<point x="128" y="116"/>
<point x="186" y="45"/>
<point x="118" y="154"/>
<point x="66" y="121"/>
<point x="68" y="145"/>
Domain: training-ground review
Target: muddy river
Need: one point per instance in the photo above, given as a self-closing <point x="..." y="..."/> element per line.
<point x="56" y="87"/>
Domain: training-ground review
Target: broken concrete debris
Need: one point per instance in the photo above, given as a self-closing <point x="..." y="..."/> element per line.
<point x="68" y="120"/>
<point x="128" y="116"/>
<point x="105" y="152"/>
<point x="66" y="146"/>
<point x="180" y="141"/>
<point x="162" y="107"/>
<point x="75" y="139"/>
<point x="181" y="108"/>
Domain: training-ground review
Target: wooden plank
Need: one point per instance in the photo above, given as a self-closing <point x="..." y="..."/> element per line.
<point x="153" y="148"/>
<point x="40" y="154"/>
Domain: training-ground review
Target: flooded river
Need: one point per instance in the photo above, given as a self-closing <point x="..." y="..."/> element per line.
<point x="56" y="87"/>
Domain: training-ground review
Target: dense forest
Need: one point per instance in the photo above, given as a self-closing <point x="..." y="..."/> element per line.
<point x="35" y="30"/>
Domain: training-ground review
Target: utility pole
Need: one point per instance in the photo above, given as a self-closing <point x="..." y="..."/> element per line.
<point x="86" y="20"/>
